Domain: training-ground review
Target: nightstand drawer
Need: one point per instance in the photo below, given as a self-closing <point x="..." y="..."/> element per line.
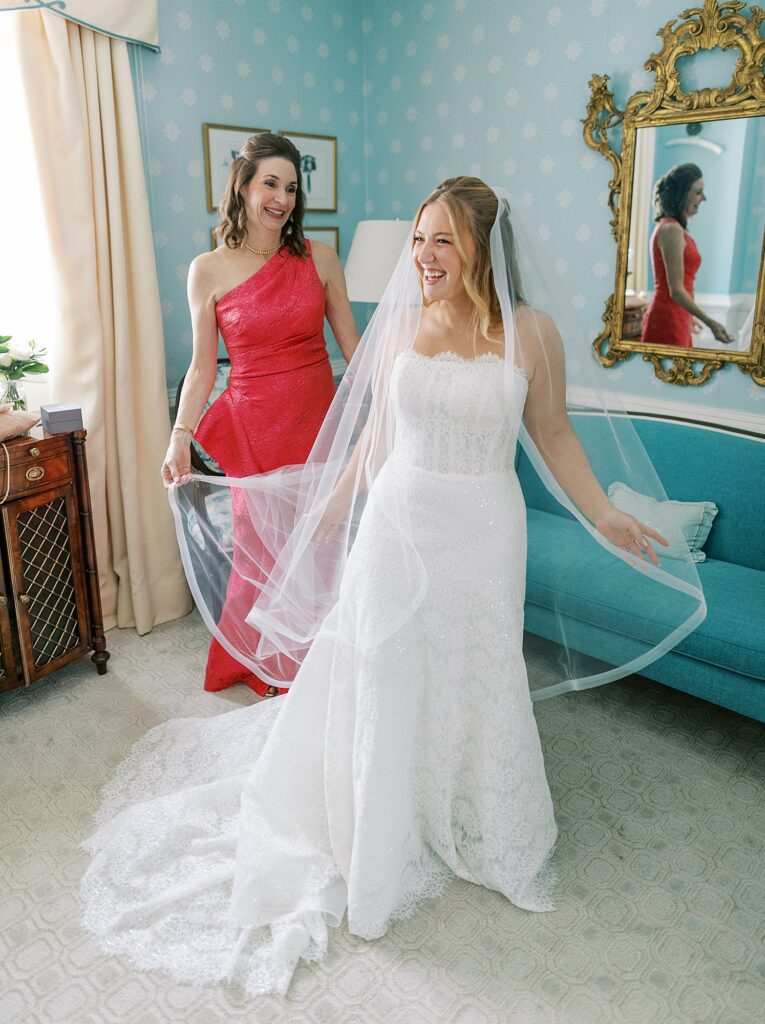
<point x="32" y="468"/>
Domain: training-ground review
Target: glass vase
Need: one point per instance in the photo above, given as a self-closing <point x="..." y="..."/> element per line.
<point x="12" y="392"/>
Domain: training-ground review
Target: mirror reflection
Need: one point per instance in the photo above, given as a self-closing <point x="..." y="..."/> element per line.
<point x="696" y="234"/>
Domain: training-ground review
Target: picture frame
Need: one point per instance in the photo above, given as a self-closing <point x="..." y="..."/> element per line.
<point x="318" y="158"/>
<point x="222" y="143"/>
<point x="329" y="235"/>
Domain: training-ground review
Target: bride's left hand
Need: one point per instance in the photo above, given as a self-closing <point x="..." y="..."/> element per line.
<point x="627" y="532"/>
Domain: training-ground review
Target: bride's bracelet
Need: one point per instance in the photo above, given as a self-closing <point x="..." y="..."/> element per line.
<point x="184" y="428"/>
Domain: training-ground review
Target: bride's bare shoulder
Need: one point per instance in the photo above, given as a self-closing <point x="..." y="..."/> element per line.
<point x="540" y="346"/>
<point x="529" y="319"/>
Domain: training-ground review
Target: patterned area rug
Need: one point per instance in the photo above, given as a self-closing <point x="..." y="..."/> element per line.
<point x="660" y="799"/>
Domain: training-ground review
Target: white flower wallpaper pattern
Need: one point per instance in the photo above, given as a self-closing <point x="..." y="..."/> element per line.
<point x="280" y="65"/>
<point x="415" y="92"/>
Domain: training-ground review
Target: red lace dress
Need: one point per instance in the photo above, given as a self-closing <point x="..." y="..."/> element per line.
<point x="666" y="323"/>
<point x="279" y="389"/>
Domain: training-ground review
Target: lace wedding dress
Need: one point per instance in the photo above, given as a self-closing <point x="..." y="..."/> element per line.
<point x="227" y="846"/>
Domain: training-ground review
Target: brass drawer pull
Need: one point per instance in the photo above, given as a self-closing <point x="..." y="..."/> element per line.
<point x="35" y="473"/>
<point x="24" y="598"/>
<point x="34" y="452"/>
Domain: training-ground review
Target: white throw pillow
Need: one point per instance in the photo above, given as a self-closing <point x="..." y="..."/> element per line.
<point x="681" y="522"/>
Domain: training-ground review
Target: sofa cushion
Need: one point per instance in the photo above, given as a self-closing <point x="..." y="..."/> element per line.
<point x="704" y="463"/>
<point x="569" y="571"/>
<point x="685" y="524"/>
<point x="694" y="463"/>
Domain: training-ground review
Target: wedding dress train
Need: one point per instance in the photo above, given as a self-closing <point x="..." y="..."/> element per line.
<point x="404" y="753"/>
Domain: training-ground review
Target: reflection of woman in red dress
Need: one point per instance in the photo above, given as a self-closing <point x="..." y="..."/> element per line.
<point x="675" y="260"/>
<point x="267" y="291"/>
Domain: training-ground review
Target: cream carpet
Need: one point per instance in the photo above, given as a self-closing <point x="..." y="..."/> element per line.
<point x="660" y="800"/>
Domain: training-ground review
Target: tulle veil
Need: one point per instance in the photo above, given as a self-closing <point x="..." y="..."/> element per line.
<point x="264" y="586"/>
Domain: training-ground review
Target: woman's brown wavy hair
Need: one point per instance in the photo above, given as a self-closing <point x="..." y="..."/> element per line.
<point x="232" y="228"/>
<point x="670" y="193"/>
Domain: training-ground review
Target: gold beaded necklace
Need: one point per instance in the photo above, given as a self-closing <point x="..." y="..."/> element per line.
<point x="262" y="252"/>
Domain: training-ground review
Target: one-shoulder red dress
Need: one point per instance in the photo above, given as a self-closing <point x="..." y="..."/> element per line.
<point x="279" y="390"/>
<point x="666" y="323"/>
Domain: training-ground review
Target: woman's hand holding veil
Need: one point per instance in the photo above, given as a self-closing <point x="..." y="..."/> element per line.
<point x="338" y="507"/>
<point x="627" y="532"/>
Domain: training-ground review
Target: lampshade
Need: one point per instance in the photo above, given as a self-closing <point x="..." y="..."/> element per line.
<point x="375" y="249"/>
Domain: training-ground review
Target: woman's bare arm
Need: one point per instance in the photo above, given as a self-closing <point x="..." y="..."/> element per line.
<point x="200" y="376"/>
<point x="672" y="246"/>
<point x="338" y="309"/>
<point x="546" y="420"/>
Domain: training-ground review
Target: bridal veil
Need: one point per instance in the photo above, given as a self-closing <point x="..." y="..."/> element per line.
<point x="607" y="612"/>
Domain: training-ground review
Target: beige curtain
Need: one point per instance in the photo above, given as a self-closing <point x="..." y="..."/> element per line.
<point x="133" y="20"/>
<point x="109" y="354"/>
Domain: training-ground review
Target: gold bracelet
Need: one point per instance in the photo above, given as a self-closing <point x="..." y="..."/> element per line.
<point x="183" y="427"/>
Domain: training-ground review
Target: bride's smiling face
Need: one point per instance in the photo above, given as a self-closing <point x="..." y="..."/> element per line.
<point x="436" y="258"/>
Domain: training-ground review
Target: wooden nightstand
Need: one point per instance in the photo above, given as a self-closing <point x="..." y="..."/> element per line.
<point x="50" y="605"/>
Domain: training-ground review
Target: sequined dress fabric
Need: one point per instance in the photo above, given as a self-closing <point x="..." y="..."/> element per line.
<point x="279" y="390"/>
<point x="229" y="847"/>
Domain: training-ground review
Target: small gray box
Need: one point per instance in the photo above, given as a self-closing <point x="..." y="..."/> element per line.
<point x="60" y="419"/>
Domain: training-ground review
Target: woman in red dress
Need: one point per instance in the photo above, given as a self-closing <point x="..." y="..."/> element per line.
<point x="675" y="259"/>
<point x="267" y="290"/>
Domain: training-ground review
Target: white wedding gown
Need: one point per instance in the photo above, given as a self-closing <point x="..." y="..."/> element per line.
<point x="227" y="846"/>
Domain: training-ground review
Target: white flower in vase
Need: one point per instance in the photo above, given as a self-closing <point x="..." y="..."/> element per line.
<point x="17" y="360"/>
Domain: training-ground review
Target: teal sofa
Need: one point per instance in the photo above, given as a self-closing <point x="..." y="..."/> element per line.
<point x="723" y="660"/>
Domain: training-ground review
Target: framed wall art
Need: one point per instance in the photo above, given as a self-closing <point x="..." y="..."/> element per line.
<point x="222" y="143"/>
<point x="330" y="236"/>
<point x="318" y="165"/>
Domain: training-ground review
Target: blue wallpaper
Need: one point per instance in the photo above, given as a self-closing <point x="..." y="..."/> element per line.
<point x="274" y="64"/>
<point x="498" y="89"/>
<point x="414" y="91"/>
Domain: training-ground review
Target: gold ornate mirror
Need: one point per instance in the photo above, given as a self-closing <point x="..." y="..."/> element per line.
<point x="688" y="202"/>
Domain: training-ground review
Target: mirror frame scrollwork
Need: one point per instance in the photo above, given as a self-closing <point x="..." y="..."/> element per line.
<point x="714" y="25"/>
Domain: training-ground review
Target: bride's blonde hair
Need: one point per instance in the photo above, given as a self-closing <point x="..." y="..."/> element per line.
<point x="471" y="207"/>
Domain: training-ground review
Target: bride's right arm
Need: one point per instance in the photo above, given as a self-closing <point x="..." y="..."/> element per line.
<point x="369" y="453"/>
<point x="351" y="481"/>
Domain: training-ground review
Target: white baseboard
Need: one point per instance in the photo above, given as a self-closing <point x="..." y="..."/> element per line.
<point x="648" y="405"/>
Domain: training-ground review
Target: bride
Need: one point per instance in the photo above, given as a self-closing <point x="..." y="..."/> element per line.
<point x="406" y="750"/>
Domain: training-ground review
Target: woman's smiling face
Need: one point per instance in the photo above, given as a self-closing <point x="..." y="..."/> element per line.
<point x="695" y="198"/>
<point x="271" y="194"/>
<point x="435" y="255"/>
